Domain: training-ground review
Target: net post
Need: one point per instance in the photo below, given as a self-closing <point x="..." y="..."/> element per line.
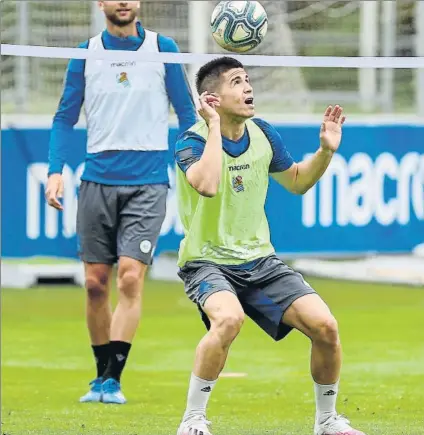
<point x="389" y="15"/>
<point x="198" y="33"/>
<point x="22" y="90"/>
<point x="368" y="41"/>
<point x="97" y="19"/>
<point x="420" y="52"/>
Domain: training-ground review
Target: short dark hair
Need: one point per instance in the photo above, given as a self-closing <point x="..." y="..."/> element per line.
<point x="209" y="74"/>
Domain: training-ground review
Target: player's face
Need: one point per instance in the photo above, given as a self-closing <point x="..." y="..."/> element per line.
<point x="120" y="13"/>
<point x="236" y="94"/>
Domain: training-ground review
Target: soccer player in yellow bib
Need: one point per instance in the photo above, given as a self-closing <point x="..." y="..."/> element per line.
<point x="226" y="259"/>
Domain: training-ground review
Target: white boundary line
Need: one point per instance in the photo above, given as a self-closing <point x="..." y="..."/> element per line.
<point x="194" y="58"/>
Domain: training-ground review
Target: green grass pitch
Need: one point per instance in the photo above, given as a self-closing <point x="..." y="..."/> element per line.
<point x="47" y="363"/>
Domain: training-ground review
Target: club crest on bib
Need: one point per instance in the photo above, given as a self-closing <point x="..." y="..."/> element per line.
<point x="122" y="78"/>
<point x="238" y="183"/>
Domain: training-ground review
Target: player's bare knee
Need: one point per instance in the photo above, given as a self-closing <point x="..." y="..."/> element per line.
<point x="130" y="281"/>
<point x="96" y="286"/>
<point x="228" y="325"/>
<point x="326" y="331"/>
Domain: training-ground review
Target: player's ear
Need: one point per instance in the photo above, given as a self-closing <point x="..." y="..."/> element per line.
<point x="101" y="5"/>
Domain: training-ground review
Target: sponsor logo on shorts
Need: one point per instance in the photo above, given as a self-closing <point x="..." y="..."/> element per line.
<point x="145" y="246"/>
<point x="204" y="287"/>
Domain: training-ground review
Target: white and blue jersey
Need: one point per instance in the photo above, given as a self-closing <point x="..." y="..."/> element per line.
<point x="127" y="109"/>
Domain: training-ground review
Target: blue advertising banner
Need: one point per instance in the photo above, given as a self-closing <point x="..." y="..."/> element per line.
<point x="371" y="199"/>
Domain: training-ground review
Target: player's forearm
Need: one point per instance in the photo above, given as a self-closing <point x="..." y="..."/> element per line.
<point x="59" y="140"/>
<point x="205" y="174"/>
<point x="311" y="170"/>
<point x="66" y="116"/>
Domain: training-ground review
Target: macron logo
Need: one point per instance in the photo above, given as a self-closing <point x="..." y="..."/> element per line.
<point x="128" y="63"/>
<point x="239" y="167"/>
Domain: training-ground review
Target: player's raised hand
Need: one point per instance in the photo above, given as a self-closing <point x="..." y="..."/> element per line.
<point x="331" y="128"/>
<point x="54" y="191"/>
<point x="208" y="105"/>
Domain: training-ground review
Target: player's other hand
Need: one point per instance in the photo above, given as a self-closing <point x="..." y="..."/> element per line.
<point x="208" y="105"/>
<point x="54" y="191"/>
<point x="331" y="128"/>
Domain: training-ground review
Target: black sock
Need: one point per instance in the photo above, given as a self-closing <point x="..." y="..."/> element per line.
<point x="101" y="354"/>
<point x="118" y="354"/>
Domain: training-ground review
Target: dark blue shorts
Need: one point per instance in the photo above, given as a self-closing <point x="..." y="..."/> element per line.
<point x="265" y="288"/>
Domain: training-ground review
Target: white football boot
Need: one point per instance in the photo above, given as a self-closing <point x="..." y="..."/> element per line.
<point x="195" y="426"/>
<point x="335" y="425"/>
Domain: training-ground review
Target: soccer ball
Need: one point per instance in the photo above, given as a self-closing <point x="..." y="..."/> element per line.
<point x="239" y="26"/>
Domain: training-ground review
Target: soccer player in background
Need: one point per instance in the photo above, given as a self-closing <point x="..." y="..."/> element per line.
<point x="122" y="197"/>
<point x="226" y="259"/>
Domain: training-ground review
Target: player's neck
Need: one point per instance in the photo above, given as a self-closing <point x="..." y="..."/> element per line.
<point x="122" y="32"/>
<point x="232" y="129"/>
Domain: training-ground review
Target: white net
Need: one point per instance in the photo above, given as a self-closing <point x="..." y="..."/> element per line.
<point x="33" y="84"/>
<point x="330" y="28"/>
<point x="279" y="89"/>
<point x="333" y="28"/>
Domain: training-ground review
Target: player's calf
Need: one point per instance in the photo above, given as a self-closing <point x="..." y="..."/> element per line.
<point x="226" y="318"/>
<point x="326" y="351"/>
<point x="99" y="317"/>
<point x="124" y="326"/>
<point x="128" y="311"/>
<point x="99" y="313"/>
<point x="212" y="351"/>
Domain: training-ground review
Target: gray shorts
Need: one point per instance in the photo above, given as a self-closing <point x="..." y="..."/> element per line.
<point x="116" y="221"/>
<point x="265" y="288"/>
